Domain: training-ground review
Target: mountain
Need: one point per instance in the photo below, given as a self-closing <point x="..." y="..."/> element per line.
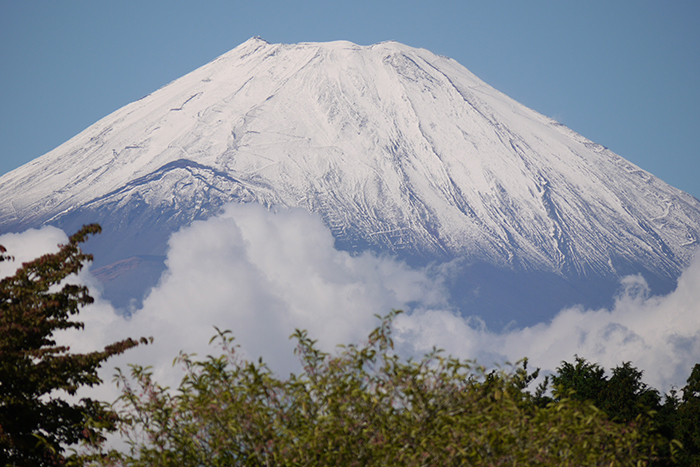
<point x="399" y="150"/>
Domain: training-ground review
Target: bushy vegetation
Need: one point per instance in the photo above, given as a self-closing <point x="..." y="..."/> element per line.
<point x="624" y="398"/>
<point x="363" y="405"/>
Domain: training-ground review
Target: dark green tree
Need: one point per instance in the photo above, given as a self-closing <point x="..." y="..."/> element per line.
<point x="626" y="399"/>
<point x="623" y="396"/>
<point x="687" y="420"/>
<point x="36" y="424"/>
<point x="627" y="396"/>
<point x="580" y="380"/>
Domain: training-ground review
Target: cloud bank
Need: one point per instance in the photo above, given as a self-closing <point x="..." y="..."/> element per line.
<point x="262" y="274"/>
<point x="658" y="334"/>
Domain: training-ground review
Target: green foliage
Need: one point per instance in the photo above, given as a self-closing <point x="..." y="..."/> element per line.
<point x="363" y="406"/>
<point x="36" y="424"/>
<point x="583" y="381"/>
<point x="687" y="420"/>
<point x="623" y="396"/>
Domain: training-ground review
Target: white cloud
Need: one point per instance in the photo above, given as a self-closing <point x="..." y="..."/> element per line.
<point x="28" y="245"/>
<point x="659" y="334"/>
<point x="262" y="274"/>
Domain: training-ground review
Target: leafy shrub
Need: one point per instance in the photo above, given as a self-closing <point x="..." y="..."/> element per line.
<point x="363" y="406"/>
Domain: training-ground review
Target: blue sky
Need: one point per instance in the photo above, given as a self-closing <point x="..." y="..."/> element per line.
<point x="624" y="74"/>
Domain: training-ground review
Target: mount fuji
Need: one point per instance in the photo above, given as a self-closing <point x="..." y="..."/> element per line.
<point x="398" y="150"/>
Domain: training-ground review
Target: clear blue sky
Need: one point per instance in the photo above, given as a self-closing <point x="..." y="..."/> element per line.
<point x="625" y="74"/>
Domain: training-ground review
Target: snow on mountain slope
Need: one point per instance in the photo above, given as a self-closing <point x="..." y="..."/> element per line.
<point x="399" y="150"/>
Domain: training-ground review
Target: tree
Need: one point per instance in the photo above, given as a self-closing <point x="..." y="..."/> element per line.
<point x="35" y="423"/>
<point x="363" y="406"/>
<point x="581" y="380"/>
<point x="625" y="398"/>
<point x="687" y="420"/>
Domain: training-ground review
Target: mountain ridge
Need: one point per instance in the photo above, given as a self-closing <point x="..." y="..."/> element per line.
<point x="399" y="150"/>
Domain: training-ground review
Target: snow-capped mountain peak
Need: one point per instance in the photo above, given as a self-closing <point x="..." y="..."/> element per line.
<point x="398" y="149"/>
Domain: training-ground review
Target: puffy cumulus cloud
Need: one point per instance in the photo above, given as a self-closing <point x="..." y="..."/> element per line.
<point x="262" y="274"/>
<point x="28" y="245"/>
<point x="659" y="334"/>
